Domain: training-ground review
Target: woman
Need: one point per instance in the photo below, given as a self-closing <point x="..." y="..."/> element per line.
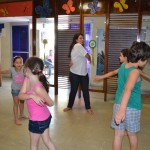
<point x="78" y="72"/>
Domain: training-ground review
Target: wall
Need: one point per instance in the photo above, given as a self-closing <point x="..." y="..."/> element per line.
<point x="5" y="47"/>
<point x="146" y="25"/>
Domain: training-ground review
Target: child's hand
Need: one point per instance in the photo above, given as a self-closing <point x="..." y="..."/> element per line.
<point x="120" y="116"/>
<point x="40" y="101"/>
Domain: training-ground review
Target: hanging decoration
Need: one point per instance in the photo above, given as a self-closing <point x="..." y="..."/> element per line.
<point x="4" y="11"/>
<point x="68" y="7"/>
<point x="44" y="10"/>
<point x="121" y="5"/>
<point x="94" y="7"/>
<point x="92" y="45"/>
<point x="45" y="41"/>
<point x="148" y="3"/>
<point x="16" y="9"/>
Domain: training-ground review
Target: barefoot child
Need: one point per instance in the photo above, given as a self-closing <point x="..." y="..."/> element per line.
<point x="17" y="80"/>
<point x="35" y="91"/>
<point x="128" y="104"/>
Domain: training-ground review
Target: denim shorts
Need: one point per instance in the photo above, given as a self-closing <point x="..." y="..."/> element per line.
<point x="15" y="92"/>
<point x="131" y="122"/>
<point x="39" y="126"/>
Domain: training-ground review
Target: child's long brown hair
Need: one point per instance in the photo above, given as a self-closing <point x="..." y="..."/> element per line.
<point x="36" y="66"/>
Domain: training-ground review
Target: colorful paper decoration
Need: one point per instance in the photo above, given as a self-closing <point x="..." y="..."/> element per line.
<point x="68" y="7"/>
<point x="16" y="9"/>
<point x="94" y="7"/>
<point x="4" y="11"/>
<point x="43" y="11"/>
<point x="92" y="45"/>
<point x="121" y="5"/>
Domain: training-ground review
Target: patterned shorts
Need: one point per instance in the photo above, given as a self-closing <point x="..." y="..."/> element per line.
<point x="131" y="122"/>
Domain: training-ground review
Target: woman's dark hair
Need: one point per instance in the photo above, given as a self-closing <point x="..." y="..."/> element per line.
<point x="15" y="58"/>
<point x="125" y="52"/>
<point x="138" y="51"/>
<point x="74" y="41"/>
<point x="36" y="66"/>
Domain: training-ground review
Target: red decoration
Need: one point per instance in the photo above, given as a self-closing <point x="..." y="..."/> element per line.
<point x="16" y="9"/>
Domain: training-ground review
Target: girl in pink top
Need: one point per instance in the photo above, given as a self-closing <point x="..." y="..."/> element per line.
<point x="35" y="91"/>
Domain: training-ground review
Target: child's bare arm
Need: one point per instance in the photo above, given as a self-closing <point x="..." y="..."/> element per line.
<point x="145" y="75"/>
<point x="107" y="75"/>
<point x="24" y="96"/>
<point x="41" y="92"/>
<point x="132" y="79"/>
<point x="4" y="71"/>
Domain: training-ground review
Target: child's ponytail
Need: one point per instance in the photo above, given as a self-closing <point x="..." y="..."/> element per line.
<point x="44" y="81"/>
<point x="36" y="65"/>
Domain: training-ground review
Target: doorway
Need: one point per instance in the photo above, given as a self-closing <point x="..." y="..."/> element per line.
<point x="45" y="38"/>
<point x="20" y="41"/>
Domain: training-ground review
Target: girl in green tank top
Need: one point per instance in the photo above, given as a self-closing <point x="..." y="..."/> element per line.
<point x="127" y="107"/>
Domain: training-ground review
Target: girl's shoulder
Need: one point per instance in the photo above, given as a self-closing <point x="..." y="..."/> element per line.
<point x="12" y="69"/>
<point x="78" y="45"/>
<point x="122" y="66"/>
<point x="37" y="84"/>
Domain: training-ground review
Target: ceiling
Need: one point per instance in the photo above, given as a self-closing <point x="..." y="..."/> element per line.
<point x="15" y="19"/>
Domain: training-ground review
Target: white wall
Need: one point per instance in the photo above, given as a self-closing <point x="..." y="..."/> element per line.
<point x="5" y="48"/>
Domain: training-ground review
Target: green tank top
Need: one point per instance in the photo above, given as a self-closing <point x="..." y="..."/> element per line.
<point x="135" y="97"/>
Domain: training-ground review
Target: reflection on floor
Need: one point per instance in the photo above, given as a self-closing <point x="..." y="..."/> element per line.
<point x="74" y="130"/>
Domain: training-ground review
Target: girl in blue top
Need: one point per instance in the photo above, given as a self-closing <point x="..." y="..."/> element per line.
<point x="127" y="107"/>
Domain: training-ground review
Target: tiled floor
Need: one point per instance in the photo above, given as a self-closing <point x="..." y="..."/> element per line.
<point x="74" y="130"/>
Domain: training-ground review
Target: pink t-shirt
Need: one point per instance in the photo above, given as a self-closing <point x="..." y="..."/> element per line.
<point x="36" y="112"/>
